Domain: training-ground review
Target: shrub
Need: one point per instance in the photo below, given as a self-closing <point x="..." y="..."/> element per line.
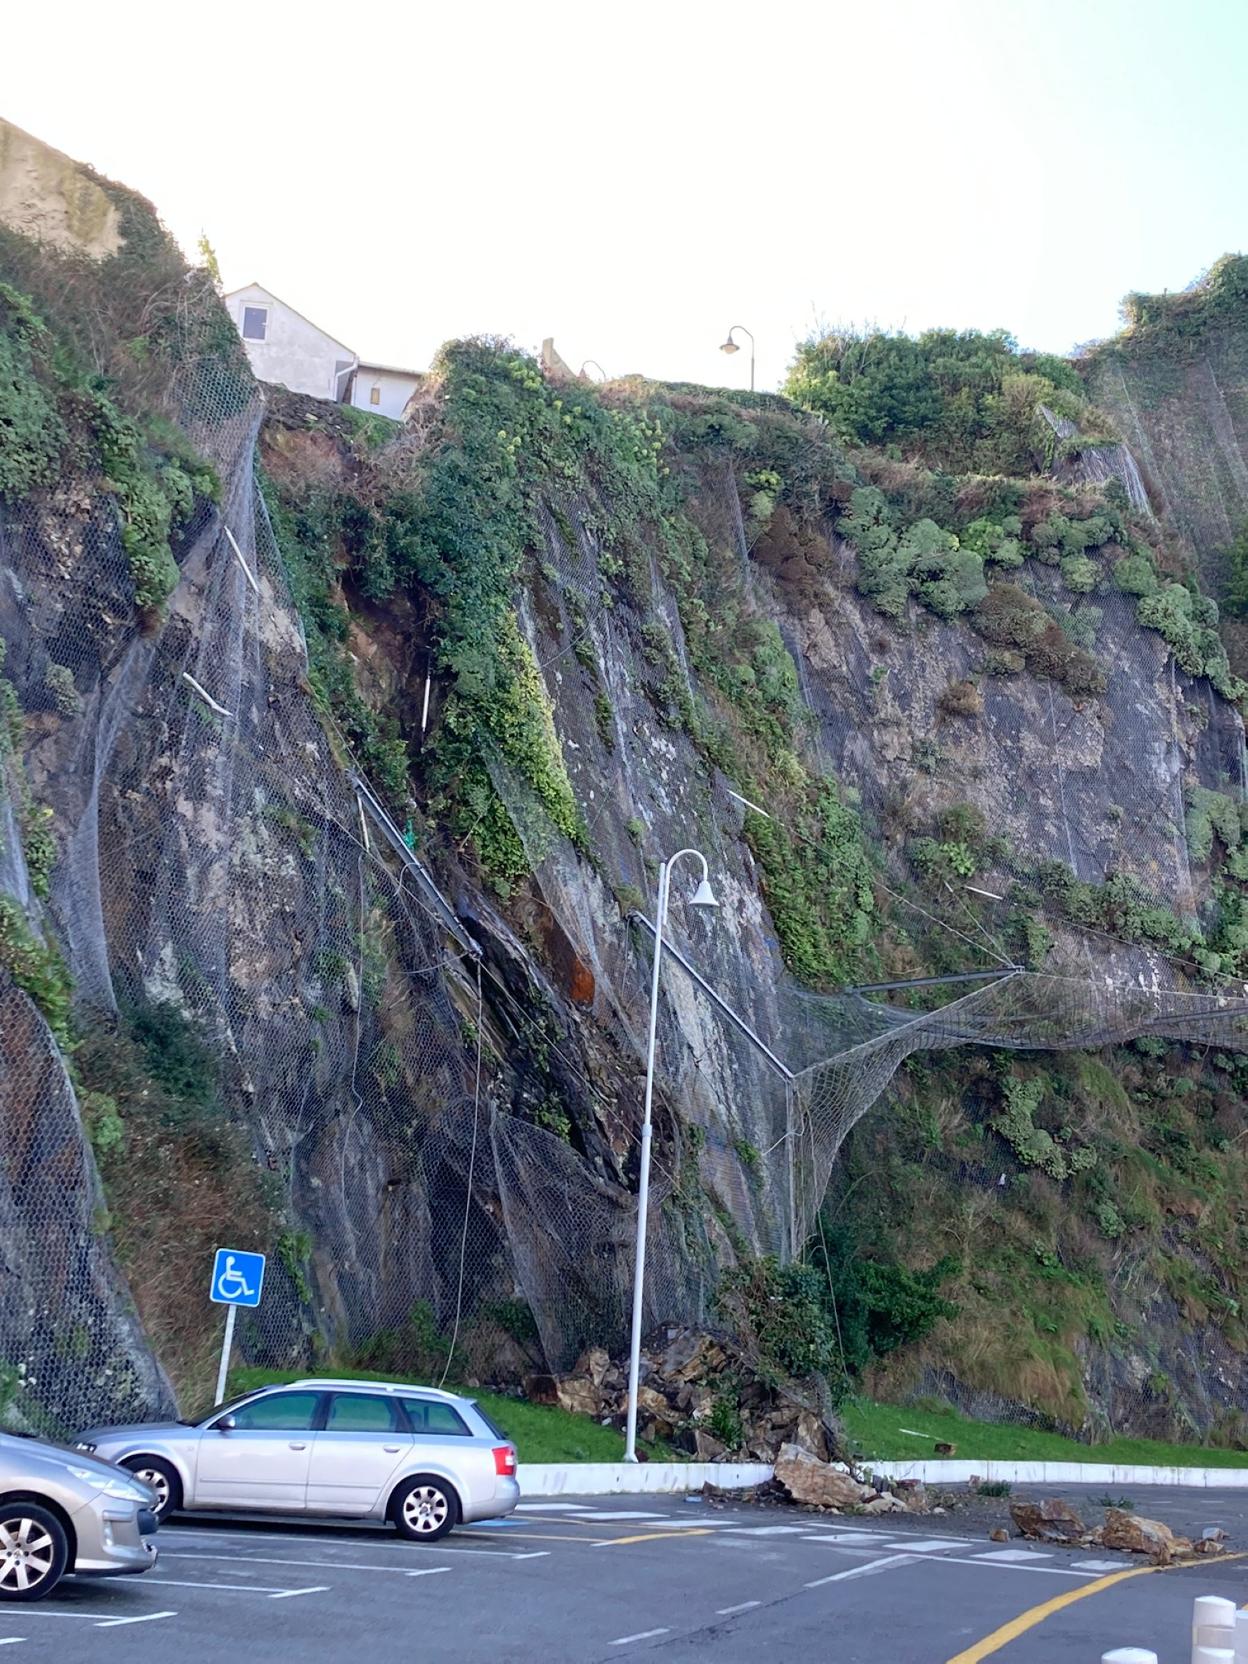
<point x="32" y="434"/>
<point x="961" y="699"/>
<point x="780" y="1316"/>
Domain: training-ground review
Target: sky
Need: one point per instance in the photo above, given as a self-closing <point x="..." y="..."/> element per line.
<point x="632" y="179"/>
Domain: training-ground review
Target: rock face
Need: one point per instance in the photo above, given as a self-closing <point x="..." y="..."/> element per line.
<point x="440" y="1097"/>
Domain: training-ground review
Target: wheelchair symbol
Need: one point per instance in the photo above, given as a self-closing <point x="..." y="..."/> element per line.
<point x="237" y="1288"/>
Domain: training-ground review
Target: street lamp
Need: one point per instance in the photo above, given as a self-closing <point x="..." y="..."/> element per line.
<point x="731" y="346"/>
<point x="703" y="896"/>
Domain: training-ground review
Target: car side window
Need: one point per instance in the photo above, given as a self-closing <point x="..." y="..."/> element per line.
<point x="284" y="1412"/>
<point x="428" y="1416"/>
<point x="356" y="1412"/>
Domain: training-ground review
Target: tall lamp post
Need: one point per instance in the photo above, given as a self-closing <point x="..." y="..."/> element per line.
<point x="703" y="896"/>
<point x="730" y="346"/>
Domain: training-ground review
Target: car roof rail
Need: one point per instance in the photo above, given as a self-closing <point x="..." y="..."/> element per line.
<point x="378" y="1386"/>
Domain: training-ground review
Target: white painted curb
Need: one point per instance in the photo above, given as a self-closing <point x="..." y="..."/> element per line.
<point x="636" y="1478"/>
<point x="955" y="1472"/>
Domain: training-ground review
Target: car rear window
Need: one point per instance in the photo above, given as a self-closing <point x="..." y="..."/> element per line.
<point x="356" y="1412"/>
<point x="428" y="1416"/>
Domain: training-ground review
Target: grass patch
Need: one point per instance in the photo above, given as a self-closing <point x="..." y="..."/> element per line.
<point x="880" y="1431"/>
<point x="540" y="1432"/>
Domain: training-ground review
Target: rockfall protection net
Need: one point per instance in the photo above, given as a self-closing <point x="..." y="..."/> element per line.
<point x="214" y="859"/>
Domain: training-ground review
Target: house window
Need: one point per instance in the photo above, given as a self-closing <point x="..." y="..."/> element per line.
<point x="374" y="395"/>
<point x="255" y="323"/>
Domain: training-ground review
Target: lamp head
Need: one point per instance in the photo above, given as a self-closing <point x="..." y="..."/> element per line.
<point x="704" y="896"/>
<point x="730" y="346"/>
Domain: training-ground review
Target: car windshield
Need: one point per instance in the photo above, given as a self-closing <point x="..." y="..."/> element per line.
<point x="215" y="1410"/>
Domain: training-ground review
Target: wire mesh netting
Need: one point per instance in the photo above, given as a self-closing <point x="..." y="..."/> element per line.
<point x="217" y="856"/>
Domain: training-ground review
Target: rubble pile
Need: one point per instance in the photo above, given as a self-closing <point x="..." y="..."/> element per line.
<point x="697" y="1394"/>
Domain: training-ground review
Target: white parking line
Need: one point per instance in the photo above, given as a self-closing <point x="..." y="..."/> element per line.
<point x="1099" y="1565"/>
<point x="932" y="1545"/>
<point x="866" y="1570"/>
<point x="319" y="1589"/>
<point x="766" y="1530"/>
<point x="144" y="1618"/>
<point x="860" y="1539"/>
<point x="1017" y="1556"/>
<point x="727" y="1611"/>
<point x="11" y="1640"/>
<point x="642" y="1635"/>
<point x="373" y="1541"/>
<point x="231" y="1588"/>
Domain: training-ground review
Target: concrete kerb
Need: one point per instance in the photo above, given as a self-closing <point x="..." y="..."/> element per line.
<point x="538" y="1479"/>
<point x="951" y="1472"/>
<point x="553" y="1479"/>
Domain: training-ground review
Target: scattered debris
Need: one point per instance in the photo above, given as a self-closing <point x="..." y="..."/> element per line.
<point x="999" y="1535"/>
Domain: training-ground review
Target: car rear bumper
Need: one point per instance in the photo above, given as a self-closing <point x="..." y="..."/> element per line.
<point x="506" y="1496"/>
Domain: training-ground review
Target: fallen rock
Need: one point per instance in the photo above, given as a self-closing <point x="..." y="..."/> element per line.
<point x="593" y="1363"/>
<point x="807" y="1479"/>
<point x="913" y="1493"/>
<point x="885" y="1503"/>
<point x="943" y="1448"/>
<point x="1141" y="1536"/>
<point x="1051" y="1521"/>
<point x="998" y="1535"/>
<point x="579" y="1394"/>
<point x="706" y="1447"/>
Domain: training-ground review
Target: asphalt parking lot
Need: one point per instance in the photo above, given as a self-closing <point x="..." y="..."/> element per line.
<point x="601" y="1578"/>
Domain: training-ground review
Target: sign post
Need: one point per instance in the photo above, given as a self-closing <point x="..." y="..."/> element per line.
<point x="237" y="1279"/>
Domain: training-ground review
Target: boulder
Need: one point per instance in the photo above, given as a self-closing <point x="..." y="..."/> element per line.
<point x="810" y="1433"/>
<point x="807" y="1479"/>
<point x="998" y="1534"/>
<point x="593" y="1364"/>
<point x="706" y="1447"/>
<point x="913" y="1492"/>
<point x="578" y="1394"/>
<point x="1052" y="1521"/>
<point x="1141" y="1536"/>
<point x="652" y="1403"/>
<point x="885" y="1503"/>
<point x="541" y="1389"/>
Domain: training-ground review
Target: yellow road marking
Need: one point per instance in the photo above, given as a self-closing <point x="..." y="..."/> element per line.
<point x="1037" y="1614"/>
<point x="532" y="1536"/>
<point x="653" y="1536"/>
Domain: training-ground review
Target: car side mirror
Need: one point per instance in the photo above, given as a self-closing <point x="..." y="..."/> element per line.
<point x="227" y="1424"/>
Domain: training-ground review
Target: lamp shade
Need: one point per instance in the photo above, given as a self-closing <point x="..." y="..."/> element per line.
<point x="704" y="896"/>
<point x="730" y="346"/>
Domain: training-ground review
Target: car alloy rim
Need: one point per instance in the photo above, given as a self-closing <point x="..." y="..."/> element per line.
<point x="27" y="1554"/>
<point x="158" y="1482"/>
<point x="425" y="1508"/>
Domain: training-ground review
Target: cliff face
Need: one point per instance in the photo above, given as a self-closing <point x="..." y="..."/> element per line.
<point x="330" y="801"/>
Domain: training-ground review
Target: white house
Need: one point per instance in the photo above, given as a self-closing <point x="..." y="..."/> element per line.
<point x="289" y="350"/>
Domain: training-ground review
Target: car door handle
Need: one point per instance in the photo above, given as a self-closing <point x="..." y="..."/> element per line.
<point x="392" y="1449"/>
<point x="298" y="1447"/>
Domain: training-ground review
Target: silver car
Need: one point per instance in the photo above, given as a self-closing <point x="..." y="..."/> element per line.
<point x="64" y="1514"/>
<point x="422" y="1459"/>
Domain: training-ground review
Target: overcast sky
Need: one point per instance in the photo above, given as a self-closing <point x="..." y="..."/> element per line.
<point x="634" y="178"/>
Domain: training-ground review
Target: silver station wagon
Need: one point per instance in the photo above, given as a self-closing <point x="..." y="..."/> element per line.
<point x="422" y="1459"/>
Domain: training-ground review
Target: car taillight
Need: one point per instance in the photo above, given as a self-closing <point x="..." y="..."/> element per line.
<point x="504" y="1461"/>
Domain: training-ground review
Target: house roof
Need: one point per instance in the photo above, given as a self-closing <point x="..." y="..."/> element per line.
<point x="232" y="292"/>
<point x="391" y="369"/>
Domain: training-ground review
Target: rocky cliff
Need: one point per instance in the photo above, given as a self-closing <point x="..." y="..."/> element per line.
<point x="338" y="759"/>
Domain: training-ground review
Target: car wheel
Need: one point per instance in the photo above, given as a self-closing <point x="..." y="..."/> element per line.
<point x="162" y="1477"/>
<point x="34" y="1551"/>
<point x="425" y="1509"/>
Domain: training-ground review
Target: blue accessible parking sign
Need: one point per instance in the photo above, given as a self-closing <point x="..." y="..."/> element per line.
<point x="237" y="1278"/>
